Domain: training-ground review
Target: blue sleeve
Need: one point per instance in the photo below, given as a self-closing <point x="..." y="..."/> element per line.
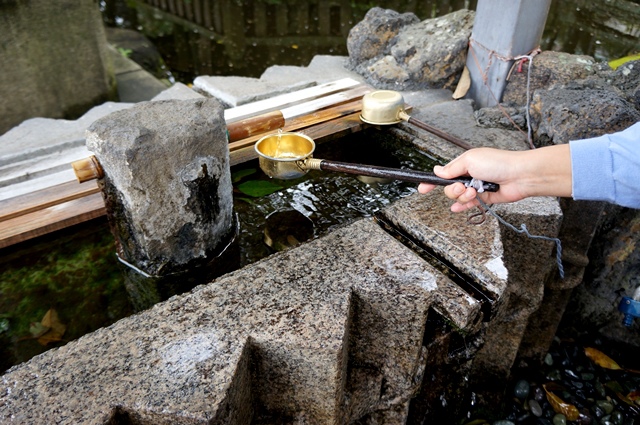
<point x="607" y="168"/>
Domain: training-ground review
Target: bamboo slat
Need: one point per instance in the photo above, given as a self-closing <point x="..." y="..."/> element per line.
<point x="50" y="219"/>
<point x="40" y="199"/>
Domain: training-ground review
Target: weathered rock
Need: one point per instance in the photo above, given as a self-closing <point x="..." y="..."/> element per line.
<point x="167" y="181"/>
<point x="564" y="114"/>
<point x="550" y="69"/>
<point x="626" y="78"/>
<point x="612" y="273"/>
<point x="506" y="117"/>
<point x="530" y="265"/>
<point x="393" y="51"/>
<point x="137" y="47"/>
<point x="433" y="52"/>
<point x="581" y="219"/>
<point x="369" y="38"/>
<point x="285" y="337"/>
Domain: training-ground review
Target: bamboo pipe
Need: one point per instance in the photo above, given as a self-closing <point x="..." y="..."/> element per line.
<point x="258" y="124"/>
<point x="87" y="169"/>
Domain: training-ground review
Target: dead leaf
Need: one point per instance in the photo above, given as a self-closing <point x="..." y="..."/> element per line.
<point x="463" y="85"/>
<point x="628" y="399"/>
<point x="55" y="328"/>
<point x="601" y="359"/>
<point x="634" y="395"/>
<point x="36" y="329"/>
<point x="560" y="406"/>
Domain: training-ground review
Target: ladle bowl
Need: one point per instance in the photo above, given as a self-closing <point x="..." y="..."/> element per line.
<point x="386" y="107"/>
<point x="382" y="107"/>
<point x="289" y="156"/>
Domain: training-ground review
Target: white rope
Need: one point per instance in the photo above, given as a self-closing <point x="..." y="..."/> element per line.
<point x="132" y="267"/>
<point x="477" y="184"/>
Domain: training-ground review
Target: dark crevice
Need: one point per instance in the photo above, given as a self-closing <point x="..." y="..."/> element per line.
<point x="486" y="300"/>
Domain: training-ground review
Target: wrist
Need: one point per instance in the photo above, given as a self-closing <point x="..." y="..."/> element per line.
<point x="546" y="171"/>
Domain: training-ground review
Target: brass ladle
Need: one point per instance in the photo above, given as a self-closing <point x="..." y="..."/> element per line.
<point x="289" y="156"/>
<point x="386" y="107"/>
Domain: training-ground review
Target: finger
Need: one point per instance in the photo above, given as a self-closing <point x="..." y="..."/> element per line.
<point x="453" y="191"/>
<point x="425" y="187"/>
<point x="468" y="195"/>
<point x="460" y="207"/>
<point x="455" y="168"/>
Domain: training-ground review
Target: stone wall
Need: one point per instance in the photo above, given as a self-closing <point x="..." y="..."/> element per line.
<point x="54" y="60"/>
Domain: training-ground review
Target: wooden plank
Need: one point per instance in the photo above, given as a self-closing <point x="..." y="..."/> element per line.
<point x="44" y="198"/>
<point x="304" y="122"/>
<point x="310" y="107"/>
<point x="288" y="99"/>
<point x="320" y="133"/>
<point x="38" y="223"/>
<point x="335" y="129"/>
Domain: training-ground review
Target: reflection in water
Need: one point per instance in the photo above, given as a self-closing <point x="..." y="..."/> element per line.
<point x="604" y="29"/>
<point x="243" y="38"/>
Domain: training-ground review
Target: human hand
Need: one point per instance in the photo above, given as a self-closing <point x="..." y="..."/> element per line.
<point x="487" y="164"/>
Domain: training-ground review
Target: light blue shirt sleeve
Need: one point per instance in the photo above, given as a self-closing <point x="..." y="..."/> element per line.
<point x="607" y="168"/>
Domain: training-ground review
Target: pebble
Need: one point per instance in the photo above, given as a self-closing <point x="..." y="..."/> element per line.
<point x="539" y="394"/>
<point x="548" y="359"/>
<point x="579" y="382"/>
<point x="605" y="405"/>
<point x="554" y="375"/>
<point x="535" y="408"/>
<point x="559" y="419"/>
<point x="571" y="374"/>
<point x="521" y="389"/>
<point x="617" y="417"/>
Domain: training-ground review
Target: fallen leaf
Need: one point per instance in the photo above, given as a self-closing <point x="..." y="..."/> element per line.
<point x="560" y="406"/>
<point x="36" y="329"/>
<point x="619" y="391"/>
<point x="463" y="85"/>
<point x="634" y="395"/>
<point x="55" y="328"/>
<point x="601" y="359"/>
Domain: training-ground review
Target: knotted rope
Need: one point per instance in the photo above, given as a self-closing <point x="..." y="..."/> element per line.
<point x="523" y="229"/>
<point x="485" y="78"/>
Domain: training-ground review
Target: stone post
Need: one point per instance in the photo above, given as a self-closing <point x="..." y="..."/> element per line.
<point x="54" y="58"/>
<point x="167" y="189"/>
<point x="502" y="30"/>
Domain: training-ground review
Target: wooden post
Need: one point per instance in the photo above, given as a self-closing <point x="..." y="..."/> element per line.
<point x="502" y="30"/>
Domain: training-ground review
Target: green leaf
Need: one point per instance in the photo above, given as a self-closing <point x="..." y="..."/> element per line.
<point x="240" y="174"/>
<point x="258" y="188"/>
<point x="247" y="200"/>
<point x="617" y="62"/>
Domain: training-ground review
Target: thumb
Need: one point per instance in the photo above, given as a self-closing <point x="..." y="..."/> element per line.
<point x="453" y="169"/>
